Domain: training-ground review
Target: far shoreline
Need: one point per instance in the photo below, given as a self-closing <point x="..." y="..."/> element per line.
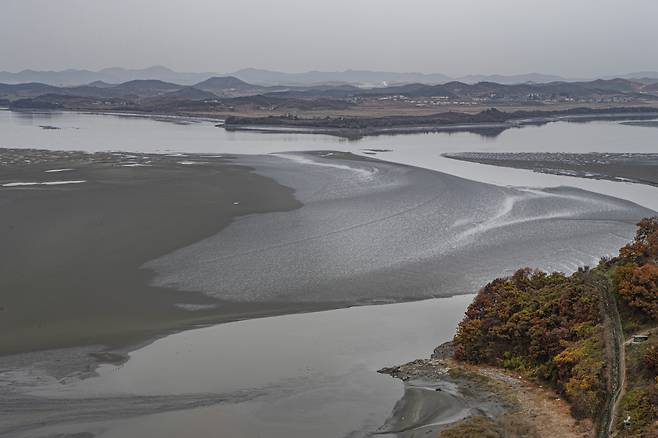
<point x="405" y="124"/>
<point x="395" y="126"/>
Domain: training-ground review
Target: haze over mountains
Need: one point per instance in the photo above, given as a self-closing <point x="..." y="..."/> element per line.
<point x="230" y="95"/>
<point x="116" y="75"/>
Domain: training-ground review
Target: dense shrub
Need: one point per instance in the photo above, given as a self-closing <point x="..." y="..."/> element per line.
<point x="645" y="245"/>
<point x="550" y="326"/>
<point x="638" y="286"/>
<point x="650" y="359"/>
<point x="582" y="366"/>
<point x="543" y="324"/>
<point x="640" y="405"/>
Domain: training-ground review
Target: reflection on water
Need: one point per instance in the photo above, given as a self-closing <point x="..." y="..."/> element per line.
<point x="31" y="118"/>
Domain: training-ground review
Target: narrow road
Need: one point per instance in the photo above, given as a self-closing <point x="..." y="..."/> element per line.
<point x="614" y="338"/>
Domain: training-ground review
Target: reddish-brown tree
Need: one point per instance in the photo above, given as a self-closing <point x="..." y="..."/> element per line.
<point x="638" y="286"/>
<point x="645" y="245"/>
<point x="651" y="358"/>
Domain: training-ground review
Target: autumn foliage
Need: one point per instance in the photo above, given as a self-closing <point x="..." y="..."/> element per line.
<point x="544" y="324"/>
<point x="645" y="246"/>
<point x="651" y="358"/>
<point x="638" y="286"/>
<point x="636" y="279"/>
<point x="550" y="326"/>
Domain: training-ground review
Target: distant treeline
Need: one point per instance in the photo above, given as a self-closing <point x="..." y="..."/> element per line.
<point x="492" y="116"/>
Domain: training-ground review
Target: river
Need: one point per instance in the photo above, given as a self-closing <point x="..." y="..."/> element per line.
<point x="296" y="375"/>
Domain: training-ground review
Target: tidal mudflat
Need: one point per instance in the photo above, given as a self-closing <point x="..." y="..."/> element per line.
<point x="371" y="231"/>
<point x="201" y="233"/>
<point x="154" y="243"/>
<point x="145" y="240"/>
<point x="71" y="253"/>
<point x="627" y="167"/>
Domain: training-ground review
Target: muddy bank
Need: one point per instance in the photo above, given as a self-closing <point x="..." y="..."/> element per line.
<point x="436" y="397"/>
<point x="77" y="228"/>
<point x="626" y="167"/>
<point x="481" y="401"/>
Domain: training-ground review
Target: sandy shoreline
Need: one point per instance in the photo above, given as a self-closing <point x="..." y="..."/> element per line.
<point x="487" y="400"/>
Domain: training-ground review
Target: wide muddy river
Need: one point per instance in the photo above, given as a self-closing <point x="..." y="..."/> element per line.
<point x="364" y="227"/>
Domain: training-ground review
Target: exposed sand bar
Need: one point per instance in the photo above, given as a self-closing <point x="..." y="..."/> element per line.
<point x="371" y="231"/>
<point x="71" y="253"/>
<point x="134" y="251"/>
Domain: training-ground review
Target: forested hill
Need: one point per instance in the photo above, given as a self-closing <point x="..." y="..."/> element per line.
<point x="565" y="330"/>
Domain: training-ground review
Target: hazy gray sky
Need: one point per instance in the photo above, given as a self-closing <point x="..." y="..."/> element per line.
<point x="567" y="37"/>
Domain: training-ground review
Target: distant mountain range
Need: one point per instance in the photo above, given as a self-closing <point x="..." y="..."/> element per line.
<point x="258" y="77"/>
<point x="226" y="93"/>
<point x="115" y="75"/>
